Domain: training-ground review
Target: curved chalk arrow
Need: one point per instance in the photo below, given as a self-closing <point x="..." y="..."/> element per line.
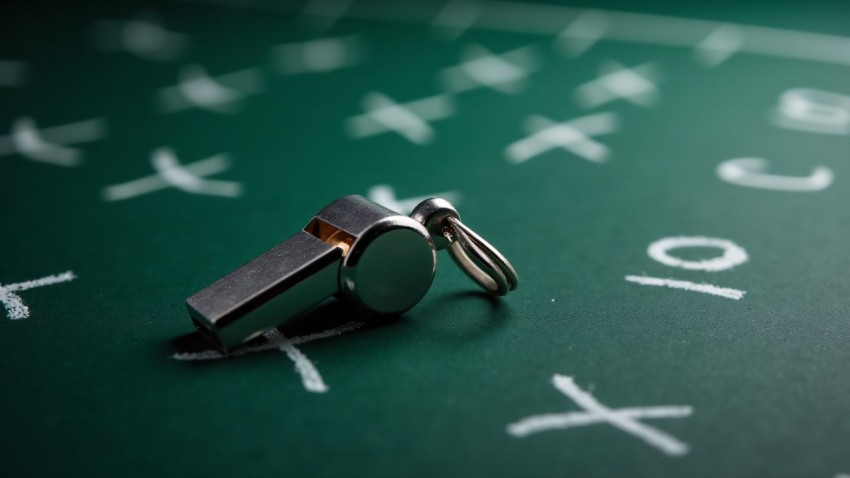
<point x="750" y="172"/>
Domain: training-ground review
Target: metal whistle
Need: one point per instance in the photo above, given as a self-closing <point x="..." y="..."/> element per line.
<point x="353" y="249"/>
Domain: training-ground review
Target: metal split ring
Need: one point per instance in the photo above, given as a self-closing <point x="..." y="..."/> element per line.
<point x="478" y="259"/>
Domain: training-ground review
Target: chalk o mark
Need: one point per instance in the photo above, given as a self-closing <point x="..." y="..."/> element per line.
<point x="733" y="255"/>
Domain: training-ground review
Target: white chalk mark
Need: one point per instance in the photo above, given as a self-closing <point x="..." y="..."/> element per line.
<point x="149" y="184"/>
<point x="310" y="377"/>
<point x="410" y="120"/>
<point x="505" y="72"/>
<point x="143" y="36"/>
<point x="573" y="136"/>
<point x="735" y="294"/>
<point x="318" y="56"/>
<point x="750" y="172"/>
<point x="587" y="29"/>
<point x="170" y="173"/>
<point x="12" y="73"/>
<point x="384" y="195"/>
<point x="219" y="94"/>
<point x="549" y="19"/>
<point x="719" y="46"/>
<point x="636" y="85"/>
<point x="15" y="307"/>
<point x="814" y="111"/>
<point x="325" y="13"/>
<point x="626" y="419"/>
<point x="271" y="343"/>
<point x="456" y="17"/>
<point x="733" y="254"/>
<point x="49" y="145"/>
<point x="560" y="421"/>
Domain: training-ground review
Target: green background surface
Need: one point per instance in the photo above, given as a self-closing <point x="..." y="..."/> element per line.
<point x="90" y="387"/>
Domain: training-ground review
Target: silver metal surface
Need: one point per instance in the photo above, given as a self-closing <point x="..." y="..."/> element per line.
<point x="353" y="248"/>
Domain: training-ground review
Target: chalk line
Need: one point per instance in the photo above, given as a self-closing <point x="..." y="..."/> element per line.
<point x="154" y="182"/>
<point x="270" y="344"/>
<point x="558" y="421"/>
<point x="666" y="443"/>
<point x="704" y="288"/>
<point x="550" y="20"/>
<point x="310" y="376"/>
<point x="15" y="307"/>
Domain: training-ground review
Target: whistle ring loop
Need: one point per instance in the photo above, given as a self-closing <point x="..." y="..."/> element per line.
<point x="481" y="261"/>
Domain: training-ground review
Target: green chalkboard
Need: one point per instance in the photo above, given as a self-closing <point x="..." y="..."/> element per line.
<point x="670" y="182"/>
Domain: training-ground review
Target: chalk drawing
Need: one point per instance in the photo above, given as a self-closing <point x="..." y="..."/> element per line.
<point x="750" y="172"/>
<point x="587" y="29"/>
<point x="384" y="195"/>
<point x="15" y="307"/>
<point x="143" y="36"/>
<point x="733" y="254"/>
<point x="456" y="17"/>
<point x="505" y="72"/>
<point x="217" y="94"/>
<point x="170" y="173"/>
<point x="274" y="340"/>
<point x="317" y="56"/>
<point x="410" y="120"/>
<point x="625" y="419"/>
<point x="815" y="111"/>
<point x="50" y="145"/>
<point x="573" y="136"/>
<point x="719" y="46"/>
<point x="735" y="294"/>
<point x="636" y="85"/>
<point x="548" y="20"/>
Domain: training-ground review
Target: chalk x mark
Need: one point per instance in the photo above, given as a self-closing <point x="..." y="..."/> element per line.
<point x="410" y="120"/>
<point x="50" y="145"/>
<point x="734" y="294"/>
<point x="626" y="419"/>
<point x="573" y="135"/>
<point x="144" y="36"/>
<point x="505" y="72"/>
<point x="636" y="85"/>
<point x="15" y="307"/>
<point x="310" y="376"/>
<point x="318" y="56"/>
<point x="170" y="173"/>
<point x="384" y="195"/>
<point x="218" y="94"/>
